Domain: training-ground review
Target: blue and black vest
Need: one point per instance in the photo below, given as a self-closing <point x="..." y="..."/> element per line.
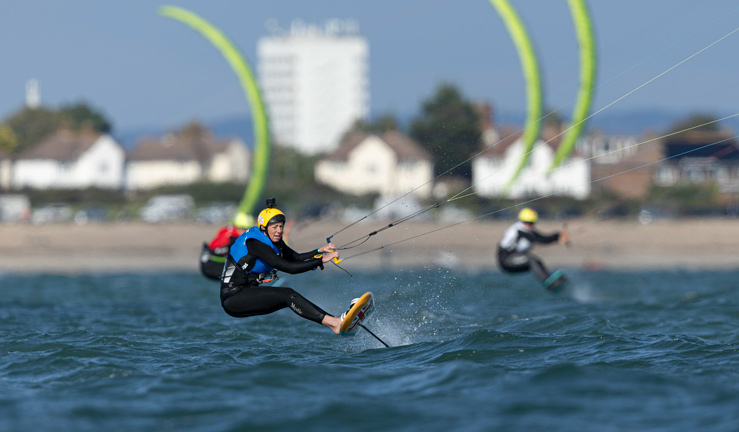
<point x="240" y="253"/>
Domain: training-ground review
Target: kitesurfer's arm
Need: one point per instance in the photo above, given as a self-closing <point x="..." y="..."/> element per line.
<point x="263" y="252"/>
<point x="564" y="236"/>
<point x="328" y="247"/>
<point x="536" y="237"/>
<point x="291" y="255"/>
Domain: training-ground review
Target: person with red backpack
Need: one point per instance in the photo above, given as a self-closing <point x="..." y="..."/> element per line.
<point x="213" y="254"/>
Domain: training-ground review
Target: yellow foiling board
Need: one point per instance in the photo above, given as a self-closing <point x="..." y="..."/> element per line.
<point x="357" y="313"/>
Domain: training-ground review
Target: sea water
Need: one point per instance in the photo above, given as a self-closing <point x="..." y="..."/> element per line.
<point x="614" y="351"/>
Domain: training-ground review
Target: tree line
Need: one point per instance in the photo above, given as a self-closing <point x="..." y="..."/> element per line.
<point x="447" y="126"/>
<point x="29" y="126"/>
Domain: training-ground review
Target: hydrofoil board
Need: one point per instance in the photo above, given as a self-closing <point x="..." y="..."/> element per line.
<point x="556" y="281"/>
<point x="357" y="313"/>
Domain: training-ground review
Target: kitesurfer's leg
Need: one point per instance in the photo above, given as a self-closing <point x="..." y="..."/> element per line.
<point x="538" y="268"/>
<point x="258" y="300"/>
<point x="514" y="262"/>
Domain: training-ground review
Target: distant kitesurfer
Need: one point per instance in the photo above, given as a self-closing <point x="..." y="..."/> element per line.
<point x="514" y="250"/>
<point x="213" y="254"/>
<point x="253" y="261"/>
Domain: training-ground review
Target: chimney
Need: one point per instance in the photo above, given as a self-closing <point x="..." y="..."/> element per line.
<point x="485" y="111"/>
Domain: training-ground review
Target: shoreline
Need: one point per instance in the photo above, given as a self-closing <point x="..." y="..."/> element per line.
<point x="471" y="246"/>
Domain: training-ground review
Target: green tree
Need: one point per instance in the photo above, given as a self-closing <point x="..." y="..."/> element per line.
<point x="553" y="118"/>
<point x="291" y="181"/>
<point x="386" y="122"/>
<point x="705" y="122"/>
<point x="382" y="124"/>
<point x="31" y="125"/>
<point x="82" y="116"/>
<point x="448" y="128"/>
<point x="8" y="140"/>
<point x="194" y="129"/>
<point x="290" y="168"/>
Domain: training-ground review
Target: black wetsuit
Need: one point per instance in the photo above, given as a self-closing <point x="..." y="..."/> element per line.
<point x="242" y="294"/>
<point x="514" y="251"/>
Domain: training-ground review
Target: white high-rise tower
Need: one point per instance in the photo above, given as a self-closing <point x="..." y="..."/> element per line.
<point x="33" y="94"/>
<point x="315" y="82"/>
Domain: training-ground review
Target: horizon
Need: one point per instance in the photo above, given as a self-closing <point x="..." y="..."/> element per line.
<point x="633" y="122"/>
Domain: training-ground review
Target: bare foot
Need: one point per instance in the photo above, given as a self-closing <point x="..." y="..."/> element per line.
<point x="332" y="322"/>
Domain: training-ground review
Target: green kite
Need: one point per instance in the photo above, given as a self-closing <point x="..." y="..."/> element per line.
<point x="241" y="68"/>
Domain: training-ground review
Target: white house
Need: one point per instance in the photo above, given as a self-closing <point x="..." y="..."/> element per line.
<point x="700" y="157"/>
<point x="389" y="164"/>
<point x="5" y="170"/>
<point x="186" y="157"/>
<point x="71" y="160"/>
<point x="493" y="168"/>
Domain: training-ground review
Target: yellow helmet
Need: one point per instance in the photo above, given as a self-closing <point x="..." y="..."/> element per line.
<point x="270" y="215"/>
<point x="528" y="215"/>
<point x="243" y="220"/>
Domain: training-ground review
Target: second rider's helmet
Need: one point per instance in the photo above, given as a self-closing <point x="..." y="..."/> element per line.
<point x="528" y="215"/>
<point x="243" y="221"/>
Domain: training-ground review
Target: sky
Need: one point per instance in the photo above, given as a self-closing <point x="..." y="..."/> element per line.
<point x="144" y="70"/>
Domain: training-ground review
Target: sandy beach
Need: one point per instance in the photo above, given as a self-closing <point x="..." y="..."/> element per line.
<point x="120" y="247"/>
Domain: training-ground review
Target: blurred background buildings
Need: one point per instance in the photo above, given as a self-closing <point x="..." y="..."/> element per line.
<point x="315" y="81"/>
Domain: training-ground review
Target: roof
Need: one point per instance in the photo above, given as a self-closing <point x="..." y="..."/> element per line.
<point x="63" y="145"/>
<point x="508" y="137"/>
<point x="552" y="136"/>
<point x="404" y="147"/>
<point x="187" y="145"/>
<point x="701" y="144"/>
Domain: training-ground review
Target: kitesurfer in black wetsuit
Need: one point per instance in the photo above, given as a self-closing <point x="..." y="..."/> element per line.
<point x="253" y="259"/>
<point x="514" y="250"/>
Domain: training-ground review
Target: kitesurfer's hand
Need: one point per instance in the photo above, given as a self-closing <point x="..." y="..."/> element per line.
<point x="329" y="256"/>
<point x="564" y="236"/>
<point x="328" y="248"/>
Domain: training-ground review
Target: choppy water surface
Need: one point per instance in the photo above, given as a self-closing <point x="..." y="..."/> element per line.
<point x="646" y="351"/>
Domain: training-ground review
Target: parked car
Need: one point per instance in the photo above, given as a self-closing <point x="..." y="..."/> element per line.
<point x="216" y="213"/>
<point x="52" y="213"/>
<point x="90" y="214"/>
<point x="167" y="208"/>
<point x="14" y="208"/>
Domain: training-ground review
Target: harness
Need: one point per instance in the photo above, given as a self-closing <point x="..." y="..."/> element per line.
<point x="256" y="270"/>
<point x="262" y="277"/>
<point x="512" y="239"/>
